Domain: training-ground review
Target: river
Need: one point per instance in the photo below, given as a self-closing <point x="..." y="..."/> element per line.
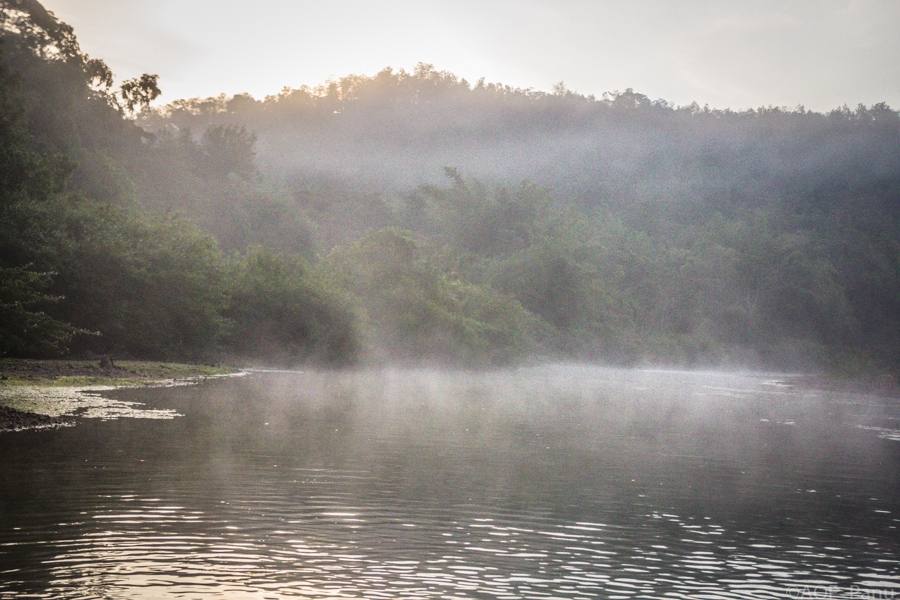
<point x="540" y="482"/>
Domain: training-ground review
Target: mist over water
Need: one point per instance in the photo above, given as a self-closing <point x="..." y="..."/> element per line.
<point x="379" y="222"/>
<point x="544" y="482"/>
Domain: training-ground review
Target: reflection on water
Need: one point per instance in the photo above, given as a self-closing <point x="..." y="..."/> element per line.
<point x="552" y="482"/>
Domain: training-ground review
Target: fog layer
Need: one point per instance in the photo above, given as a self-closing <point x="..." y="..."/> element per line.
<point x="417" y="216"/>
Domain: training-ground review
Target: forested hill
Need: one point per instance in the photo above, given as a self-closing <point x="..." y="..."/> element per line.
<point x="416" y="216"/>
<point x="399" y="129"/>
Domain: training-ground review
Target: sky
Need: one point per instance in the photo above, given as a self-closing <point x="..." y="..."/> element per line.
<point x="818" y="53"/>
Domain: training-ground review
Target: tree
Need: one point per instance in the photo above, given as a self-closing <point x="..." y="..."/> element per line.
<point x="138" y="93"/>
<point x="26" y="329"/>
<point x="281" y="310"/>
<point x="229" y="149"/>
<point x="416" y="306"/>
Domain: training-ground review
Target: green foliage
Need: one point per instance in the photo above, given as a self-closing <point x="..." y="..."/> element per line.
<point x="280" y="309"/>
<point x="150" y="283"/>
<point x="134" y="93"/>
<point x="153" y="287"/>
<point x="550" y="282"/>
<point x="25" y="329"/>
<point x="417" y="308"/>
<point x="229" y="150"/>
<point x="657" y="233"/>
<point x="25" y="174"/>
<point x="479" y="219"/>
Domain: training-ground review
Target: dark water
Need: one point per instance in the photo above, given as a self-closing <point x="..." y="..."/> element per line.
<point x="553" y="482"/>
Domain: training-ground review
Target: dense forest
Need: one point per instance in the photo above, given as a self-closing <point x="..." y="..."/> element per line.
<point x="415" y="216"/>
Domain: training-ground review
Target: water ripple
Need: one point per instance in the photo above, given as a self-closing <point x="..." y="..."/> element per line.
<point x="288" y="485"/>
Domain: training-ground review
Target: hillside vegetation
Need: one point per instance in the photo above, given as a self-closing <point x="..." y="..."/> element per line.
<point x="417" y="216"/>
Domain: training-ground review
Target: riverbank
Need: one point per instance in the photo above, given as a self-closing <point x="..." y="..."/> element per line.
<point x="38" y="394"/>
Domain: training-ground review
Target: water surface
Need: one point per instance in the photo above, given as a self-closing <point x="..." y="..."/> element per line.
<point x="549" y="482"/>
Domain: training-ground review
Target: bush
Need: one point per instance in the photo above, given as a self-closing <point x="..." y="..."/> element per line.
<point x="280" y="310"/>
<point x="416" y="307"/>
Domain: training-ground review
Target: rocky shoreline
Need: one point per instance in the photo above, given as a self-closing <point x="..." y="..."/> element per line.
<point x="17" y="420"/>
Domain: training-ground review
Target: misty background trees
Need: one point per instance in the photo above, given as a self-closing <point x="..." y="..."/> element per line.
<point x="415" y="215"/>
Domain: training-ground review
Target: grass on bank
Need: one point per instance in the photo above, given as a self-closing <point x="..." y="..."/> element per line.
<point x="69" y="373"/>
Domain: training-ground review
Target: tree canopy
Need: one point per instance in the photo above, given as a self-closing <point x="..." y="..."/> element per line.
<point x="416" y="215"/>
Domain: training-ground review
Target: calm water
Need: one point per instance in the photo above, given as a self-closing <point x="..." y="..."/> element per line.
<point x="552" y="482"/>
